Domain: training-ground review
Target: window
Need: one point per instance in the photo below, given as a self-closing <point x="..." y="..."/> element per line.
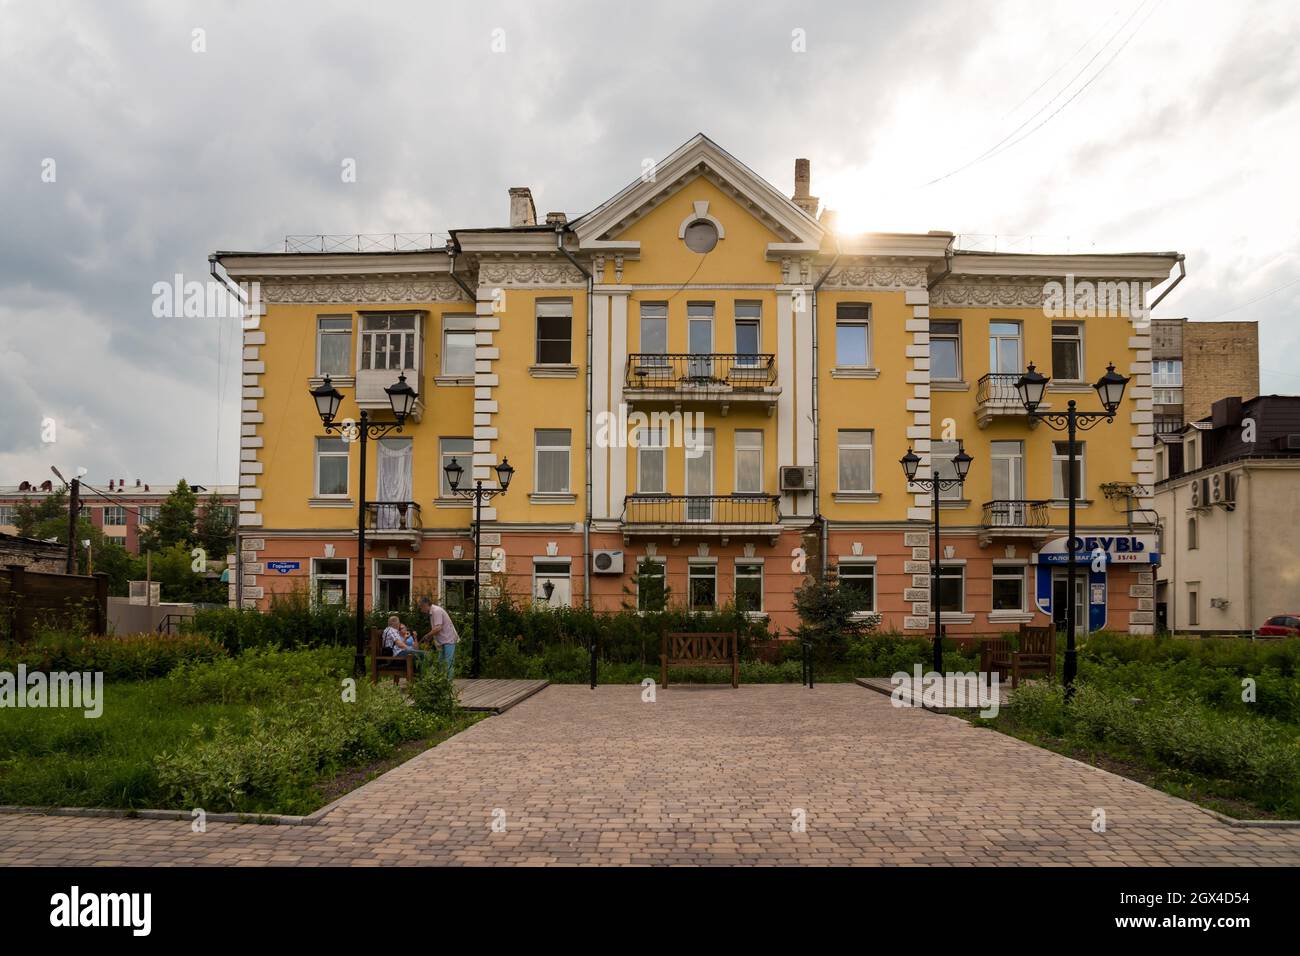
<point x="554" y="331"/>
<point x="749" y="462"/>
<point x="6" y="516"/>
<point x="115" y="515"/>
<point x="855" y="460"/>
<point x="1004" y="348"/>
<point x="1007" y="462"/>
<point x="945" y="350"/>
<point x="941" y="466"/>
<point x="952" y="591"/>
<point x="457" y="584"/>
<point x="1194" y="604"/>
<point x="228" y="513"/>
<point x="1167" y="372"/>
<point x="1192" y="542"/>
<point x="462" y="449"/>
<point x="1167" y="396"/>
<point x="331" y="467"/>
<point x="457" y="352"/>
<point x="1008" y="587"/>
<point x="1060" y="466"/>
<point x="552" y="446"/>
<point x="556" y="573"/>
<point x="388" y="342"/>
<point x="701" y="236"/>
<point x="654" y="327"/>
<point x="699" y="476"/>
<point x="651" y="586"/>
<point x="147" y="514"/>
<point x="1067" y="351"/>
<point x="329" y="580"/>
<point x="861" y="580"/>
<point x="334" y="345"/>
<point x="699" y="340"/>
<point x="650" y="456"/>
<point x="703" y="590"/>
<point x="852" y="341"/>
<point x="749" y="586"/>
<point x="120" y="542"/>
<point x="392" y="584"/>
<point x="747" y="333"/>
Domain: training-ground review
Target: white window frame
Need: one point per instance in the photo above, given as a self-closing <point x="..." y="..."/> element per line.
<point x="691" y="575"/>
<point x="946" y="336"/>
<point x="553" y="574"/>
<point x="376" y="577"/>
<point x="737" y="576"/>
<point x="854" y="322"/>
<point x="870" y="447"/>
<point x="408" y="342"/>
<point x="1063" y="331"/>
<point x="651" y="442"/>
<point x="447" y="335"/>
<point x="941" y="466"/>
<point x="538" y="449"/>
<point x="463" y="458"/>
<point x="747" y="313"/>
<point x="1007" y="571"/>
<point x="662" y="564"/>
<point x="346" y="371"/>
<point x="1167" y="372"/>
<point x="551" y="309"/>
<point x="737" y="451"/>
<point x="145" y="514"/>
<point x="652" y="312"/>
<point x="995" y="354"/>
<point x="317" y="455"/>
<point x="1060" y="464"/>
<point x="116" y="511"/>
<point x="846" y="564"/>
<point x="345" y="577"/>
<point x="6" y="515"/>
<point x="444" y="577"/>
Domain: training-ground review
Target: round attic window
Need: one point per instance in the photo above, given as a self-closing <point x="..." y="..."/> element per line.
<point x="701" y="236"/>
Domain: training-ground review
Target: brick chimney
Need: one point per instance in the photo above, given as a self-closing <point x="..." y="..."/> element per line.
<point x="522" y="210"/>
<point x="802" y="184"/>
<point x="556" y="219"/>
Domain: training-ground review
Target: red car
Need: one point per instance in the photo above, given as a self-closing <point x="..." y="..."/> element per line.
<point x="1281" y="625"/>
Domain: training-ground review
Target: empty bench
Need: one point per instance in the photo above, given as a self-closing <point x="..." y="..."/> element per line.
<point x="1036" y="654"/>
<point x="699" y="650"/>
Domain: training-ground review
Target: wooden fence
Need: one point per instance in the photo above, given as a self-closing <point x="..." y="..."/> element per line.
<point x="36" y="599"/>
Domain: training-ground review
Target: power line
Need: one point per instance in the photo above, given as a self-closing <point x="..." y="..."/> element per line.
<point x="1086" y="43"/>
<point x="994" y="149"/>
<point x="1252" y="301"/>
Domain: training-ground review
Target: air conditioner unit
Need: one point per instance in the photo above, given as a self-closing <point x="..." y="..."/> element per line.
<point x="1221" y="488"/>
<point x="1200" y="493"/>
<point x="797" y="477"/>
<point x="607" y="562"/>
<point x="1287" y="442"/>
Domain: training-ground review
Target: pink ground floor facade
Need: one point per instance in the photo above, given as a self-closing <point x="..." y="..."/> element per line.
<point x="987" y="586"/>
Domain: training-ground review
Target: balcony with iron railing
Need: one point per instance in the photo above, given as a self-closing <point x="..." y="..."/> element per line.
<point x="702" y="515"/>
<point x="722" y="378"/>
<point x="996" y="397"/>
<point x="390" y="521"/>
<point x="1014" y="518"/>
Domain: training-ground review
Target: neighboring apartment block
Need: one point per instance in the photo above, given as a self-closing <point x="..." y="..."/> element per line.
<point x="700" y="386"/>
<point x="1197" y="363"/>
<point x="121" y="512"/>
<point x="1227" y="513"/>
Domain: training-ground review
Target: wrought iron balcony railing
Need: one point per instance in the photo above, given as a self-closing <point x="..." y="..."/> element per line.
<point x="393" y="516"/>
<point x="998" y="388"/>
<point x="722" y="373"/>
<point x="685" y="511"/>
<point x="1015" y="513"/>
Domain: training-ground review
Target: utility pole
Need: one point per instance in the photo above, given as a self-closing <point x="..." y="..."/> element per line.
<point x="74" y="508"/>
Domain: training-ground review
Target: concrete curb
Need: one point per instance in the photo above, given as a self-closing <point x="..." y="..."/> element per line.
<point x="254" y="818"/>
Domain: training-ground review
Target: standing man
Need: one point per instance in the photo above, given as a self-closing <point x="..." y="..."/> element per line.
<point x="442" y="632"/>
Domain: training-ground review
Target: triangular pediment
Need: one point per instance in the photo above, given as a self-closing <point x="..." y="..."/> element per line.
<point x="699" y="157"/>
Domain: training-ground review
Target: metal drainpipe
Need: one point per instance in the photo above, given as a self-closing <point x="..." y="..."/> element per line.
<point x="816" y="421"/>
<point x="451" y="270"/>
<point x="1182" y="274"/>
<point x="560" y="230"/>
<point x="947" y="266"/>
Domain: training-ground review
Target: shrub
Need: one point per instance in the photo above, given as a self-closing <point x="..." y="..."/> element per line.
<point x="260" y="674"/>
<point x="283" y="750"/>
<point x="434" y="693"/>
<point x="129" y="657"/>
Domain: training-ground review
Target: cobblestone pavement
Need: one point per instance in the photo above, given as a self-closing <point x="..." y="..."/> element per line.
<point x="707" y="775"/>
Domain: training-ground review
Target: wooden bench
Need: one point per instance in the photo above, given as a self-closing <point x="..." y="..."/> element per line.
<point x="1036" y="654"/>
<point x="699" y="650"/>
<point x="396" y="667"/>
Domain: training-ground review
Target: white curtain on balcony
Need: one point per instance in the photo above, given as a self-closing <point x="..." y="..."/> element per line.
<point x="393" y="483"/>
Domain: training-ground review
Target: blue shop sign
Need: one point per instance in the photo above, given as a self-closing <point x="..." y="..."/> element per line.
<point x="283" y="567"/>
<point x="1117" y="548"/>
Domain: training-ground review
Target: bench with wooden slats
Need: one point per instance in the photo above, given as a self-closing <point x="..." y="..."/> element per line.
<point x="699" y="650"/>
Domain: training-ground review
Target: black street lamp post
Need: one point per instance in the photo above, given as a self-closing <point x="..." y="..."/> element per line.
<point x="1110" y="389"/>
<point x="401" y="397"/>
<point x="961" y="465"/>
<point x="455" y="472"/>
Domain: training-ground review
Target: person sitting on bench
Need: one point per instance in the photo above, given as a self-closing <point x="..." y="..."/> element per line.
<point x="398" y="641"/>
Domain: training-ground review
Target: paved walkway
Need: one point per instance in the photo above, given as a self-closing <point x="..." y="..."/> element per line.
<point x="707" y="775"/>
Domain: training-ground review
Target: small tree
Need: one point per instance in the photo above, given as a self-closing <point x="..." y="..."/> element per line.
<point x="829" y="616"/>
<point x="175" y="523"/>
<point x="213" y="531"/>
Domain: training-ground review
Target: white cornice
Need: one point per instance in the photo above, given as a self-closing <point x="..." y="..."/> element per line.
<point x="252" y="265"/>
<point x="1153" y="267"/>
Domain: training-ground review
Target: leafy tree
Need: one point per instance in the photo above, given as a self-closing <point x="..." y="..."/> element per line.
<point x="46" y="518"/>
<point x="828" y="616"/>
<point x="175" y="524"/>
<point x="173" y="568"/>
<point x="213" y="532"/>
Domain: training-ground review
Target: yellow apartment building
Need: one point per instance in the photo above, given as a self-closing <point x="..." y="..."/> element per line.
<point x="702" y="386"/>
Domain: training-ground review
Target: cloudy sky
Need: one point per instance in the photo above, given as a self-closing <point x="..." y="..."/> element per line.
<point x="1131" y="126"/>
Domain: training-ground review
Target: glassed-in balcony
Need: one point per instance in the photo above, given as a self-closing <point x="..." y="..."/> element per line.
<point x="721" y="378"/>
